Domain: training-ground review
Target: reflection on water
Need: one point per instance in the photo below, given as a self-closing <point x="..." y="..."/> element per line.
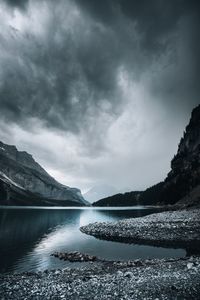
<point x="29" y="236"/>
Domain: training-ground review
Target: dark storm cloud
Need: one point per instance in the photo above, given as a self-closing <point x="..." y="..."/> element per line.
<point x="154" y="19"/>
<point x="168" y="28"/>
<point x="93" y="87"/>
<point x="68" y="74"/>
<point x="17" y="3"/>
<point x="58" y="77"/>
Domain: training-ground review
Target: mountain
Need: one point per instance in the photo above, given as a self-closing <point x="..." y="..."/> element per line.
<point x="148" y="197"/>
<point x="182" y="184"/>
<point x="183" y="180"/>
<point x="24" y="182"/>
<point x="98" y="192"/>
<point x="126" y="199"/>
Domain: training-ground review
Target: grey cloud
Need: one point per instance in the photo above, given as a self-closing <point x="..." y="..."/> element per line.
<point x="61" y="68"/>
<point x="17" y="3"/>
<point x="62" y="77"/>
<point x="58" y="78"/>
<point x="168" y="29"/>
<point x="154" y="19"/>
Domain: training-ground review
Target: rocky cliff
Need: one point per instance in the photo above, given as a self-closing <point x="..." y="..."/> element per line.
<point x="184" y="176"/>
<point x="22" y="177"/>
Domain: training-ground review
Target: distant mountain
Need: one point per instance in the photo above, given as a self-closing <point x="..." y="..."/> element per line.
<point x="98" y="192"/>
<point x="182" y="185"/>
<point x="126" y="199"/>
<point x="24" y="182"/>
<point x="148" y="197"/>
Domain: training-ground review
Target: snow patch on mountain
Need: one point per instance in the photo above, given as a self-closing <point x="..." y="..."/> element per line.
<point x="10" y="181"/>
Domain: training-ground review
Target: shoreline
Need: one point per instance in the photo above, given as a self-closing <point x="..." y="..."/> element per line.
<point x="138" y="279"/>
<point x="85" y="207"/>
<point x="169" y="228"/>
<point x="168" y="278"/>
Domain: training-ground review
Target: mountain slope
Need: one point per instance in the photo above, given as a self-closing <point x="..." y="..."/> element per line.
<point x="185" y="166"/>
<point x="22" y="177"/>
<point x="148" y="197"/>
<point x="182" y="185"/>
<point x="126" y="199"/>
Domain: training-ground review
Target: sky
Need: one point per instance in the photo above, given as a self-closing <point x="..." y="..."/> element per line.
<point x="99" y="92"/>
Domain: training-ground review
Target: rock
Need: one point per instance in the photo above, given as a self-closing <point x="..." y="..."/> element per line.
<point x="119" y="273"/>
<point x="128" y="274"/>
<point x="185" y="167"/>
<point x="74" y="256"/>
<point x="57" y="272"/>
<point x="190" y="265"/>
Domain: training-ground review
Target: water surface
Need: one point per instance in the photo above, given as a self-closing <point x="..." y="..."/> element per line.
<point x="29" y="235"/>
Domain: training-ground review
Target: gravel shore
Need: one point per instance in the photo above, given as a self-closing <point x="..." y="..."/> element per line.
<point x="170" y="228"/>
<point x="150" y="279"/>
<point x="139" y="279"/>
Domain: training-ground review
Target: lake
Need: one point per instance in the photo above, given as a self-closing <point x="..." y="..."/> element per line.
<point x="28" y="236"/>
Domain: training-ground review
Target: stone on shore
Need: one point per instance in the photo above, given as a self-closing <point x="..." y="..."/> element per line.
<point x="74" y="256"/>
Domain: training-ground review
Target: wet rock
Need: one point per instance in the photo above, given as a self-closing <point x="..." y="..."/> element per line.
<point x="74" y="256"/>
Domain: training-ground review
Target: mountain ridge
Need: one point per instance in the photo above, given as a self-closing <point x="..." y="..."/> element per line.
<point x="32" y="180"/>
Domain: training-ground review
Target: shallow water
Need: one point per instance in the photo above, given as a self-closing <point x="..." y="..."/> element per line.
<point x="29" y="235"/>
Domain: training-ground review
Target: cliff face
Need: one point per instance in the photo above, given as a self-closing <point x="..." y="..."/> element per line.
<point x="18" y="170"/>
<point x="185" y="166"/>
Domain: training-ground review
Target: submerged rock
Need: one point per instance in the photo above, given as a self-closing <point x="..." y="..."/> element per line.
<point x="74" y="256"/>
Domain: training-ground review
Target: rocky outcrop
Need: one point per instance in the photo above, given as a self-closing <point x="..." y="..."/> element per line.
<point x="22" y="177"/>
<point x="184" y="177"/>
